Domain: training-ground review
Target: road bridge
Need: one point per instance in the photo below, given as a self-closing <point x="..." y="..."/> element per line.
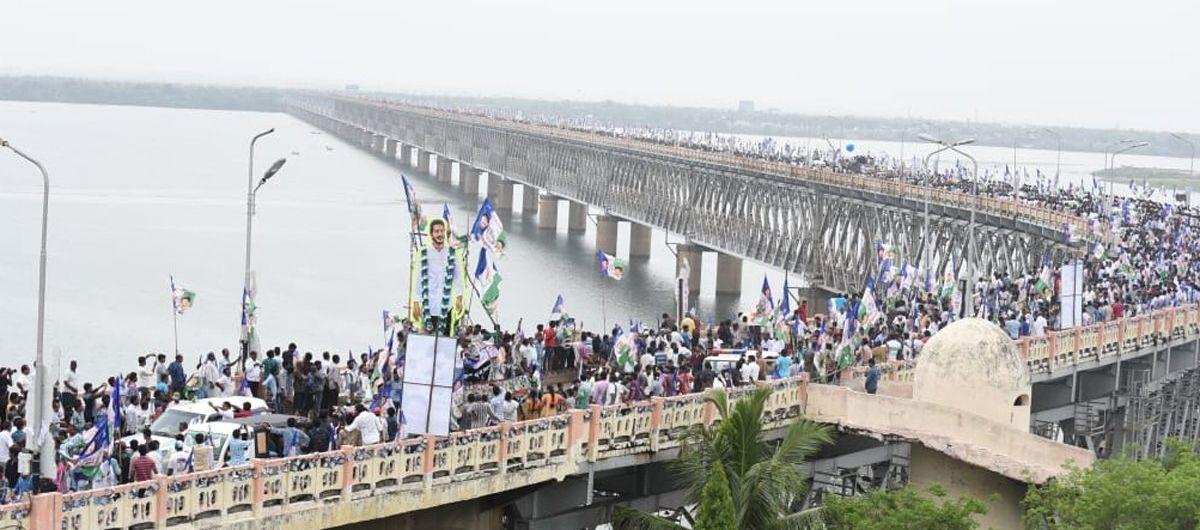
<point x="815" y="222"/>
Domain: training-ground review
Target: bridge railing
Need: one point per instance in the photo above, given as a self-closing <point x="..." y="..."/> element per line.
<point x="422" y="471"/>
<point x="1060" y="350"/>
<point x="15" y="514"/>
<point x="1029" y="212"/>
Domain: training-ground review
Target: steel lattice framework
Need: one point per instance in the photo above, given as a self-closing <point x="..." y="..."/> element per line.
<point x="821" y="224"/>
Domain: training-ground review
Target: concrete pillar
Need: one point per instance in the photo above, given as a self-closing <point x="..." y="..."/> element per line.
<point x="406" y="155"/>
<point x="445" y="168"/>
<point x="729" y="274"/>
<point x="377" y="143"/>
<point x="606" y="234"/>
<point x="389" y="151"/>
<point x="504" y="199"/>
<point x="695" y="258"/>
<point x="423" y="161"/>
<point x="494" y="183"/>
<point x="364" y="138"/>
<point x="468" y="179"/>
<point x="529" y="199"/>
<point x="576" y="216"/>
<point x="548" y="212"/>
<point x="639" y="240"/>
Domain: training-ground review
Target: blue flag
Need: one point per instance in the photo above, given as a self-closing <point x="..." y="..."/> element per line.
<point x="410" y="197"/>
<point x="767" y="299"/>
<point x="557" y="310"/>
<point x="99" y="441"/>
<point x="785" y="306"/>
<point x="116" y="403"/>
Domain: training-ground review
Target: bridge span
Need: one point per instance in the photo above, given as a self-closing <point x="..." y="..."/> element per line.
<point x="1104" y="386"/>
<point x="819" y="223"/>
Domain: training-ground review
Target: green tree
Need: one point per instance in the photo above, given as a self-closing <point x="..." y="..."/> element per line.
<point x="765" y="477"/>
<point x="1122" y="493"/>
<point x="716" y="511"/>
<point x="901" y="508"/>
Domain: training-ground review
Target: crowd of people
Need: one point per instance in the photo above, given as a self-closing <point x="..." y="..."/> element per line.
<point x="1140" y="246"/>
<point x="1139" y="256"/>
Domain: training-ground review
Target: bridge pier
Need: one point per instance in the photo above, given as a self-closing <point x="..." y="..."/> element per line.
<point x="529" y="198"/>
<point x="503" y="197"/>
<point x="694" y="255"/>
<point x="729" y="274"/>
<point x="390" y="150"/>
<point x="423" y="161"/>
<point x="468" y="179"/>
<point x="445" y="169"/>
<point x="548" y="212"/>
<point x="494" y="183"/>
<point x="406" y="156"/>
<point x="639" y="240"/>
<point x="606" y="234"/>
<point x="576" y="216"/>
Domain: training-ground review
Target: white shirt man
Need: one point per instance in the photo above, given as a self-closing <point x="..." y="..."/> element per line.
<point x="1038" y="327"/>
<point x="750" y="370"/>
<point x="368" y="424"/>
<point x="254" y="372"/>
<point x="23" y="382"/>
<point x="145" y="376"/>
<point x="70" y="383"/>
<point x="646" y="360"/>
<point x="6" y="443"/>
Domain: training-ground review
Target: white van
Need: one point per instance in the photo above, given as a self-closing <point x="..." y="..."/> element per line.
<point x="192" y="413"/>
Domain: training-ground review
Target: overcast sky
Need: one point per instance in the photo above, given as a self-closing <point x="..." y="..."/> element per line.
<point x="1096" y="63"/>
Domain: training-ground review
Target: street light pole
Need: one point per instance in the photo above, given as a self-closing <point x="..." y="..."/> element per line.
<point x="1129" y="147"/>
<point x="927" y="257"/>
<point x="1058" y="155"/>
<point x="249" y="230"/>
<point x="970" y="291"/>
<point x="1112" y="146"/>
<point x="43" y="395"/>
<point x="1192" y="163"/>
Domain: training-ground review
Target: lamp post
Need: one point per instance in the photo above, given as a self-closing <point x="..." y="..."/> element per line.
<point x="251" y="191"/>
<point x="1058" y="155"/>
<point x="1129" y="147"/>
<point x="970" y="290"/>
<point x="1192" y="163"/>
<point x="1112" y="146"/>
<point x="904" y="136"/>
<point x="44" y="389"/>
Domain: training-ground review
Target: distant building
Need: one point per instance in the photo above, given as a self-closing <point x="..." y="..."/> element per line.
<point x="746" y="105"/>
<point x="351" y="87"/>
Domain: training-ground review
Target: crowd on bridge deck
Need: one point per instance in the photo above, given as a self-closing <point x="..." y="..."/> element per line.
<point x="514" y="376"/>
<point x="1140" y="256"/>
<point x="103" y="436"/>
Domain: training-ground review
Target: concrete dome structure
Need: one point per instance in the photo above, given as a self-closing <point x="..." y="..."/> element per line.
<point x="972" y="365"/>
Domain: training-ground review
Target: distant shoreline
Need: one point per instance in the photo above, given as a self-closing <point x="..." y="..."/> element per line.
<point x="1178" y="179"/>
<point x="719" y="120"/>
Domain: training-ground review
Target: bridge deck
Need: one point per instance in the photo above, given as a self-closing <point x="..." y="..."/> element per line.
<point x="356" y="484"/>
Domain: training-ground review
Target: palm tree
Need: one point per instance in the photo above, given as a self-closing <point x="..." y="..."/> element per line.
<point x="765" y="477"/>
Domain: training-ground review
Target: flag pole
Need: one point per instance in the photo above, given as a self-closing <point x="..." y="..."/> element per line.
<point x="604" y="307"/>
<point x="175" y="314"/>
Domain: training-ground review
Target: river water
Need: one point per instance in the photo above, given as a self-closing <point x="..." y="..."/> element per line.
<point x="139" y="194"/>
